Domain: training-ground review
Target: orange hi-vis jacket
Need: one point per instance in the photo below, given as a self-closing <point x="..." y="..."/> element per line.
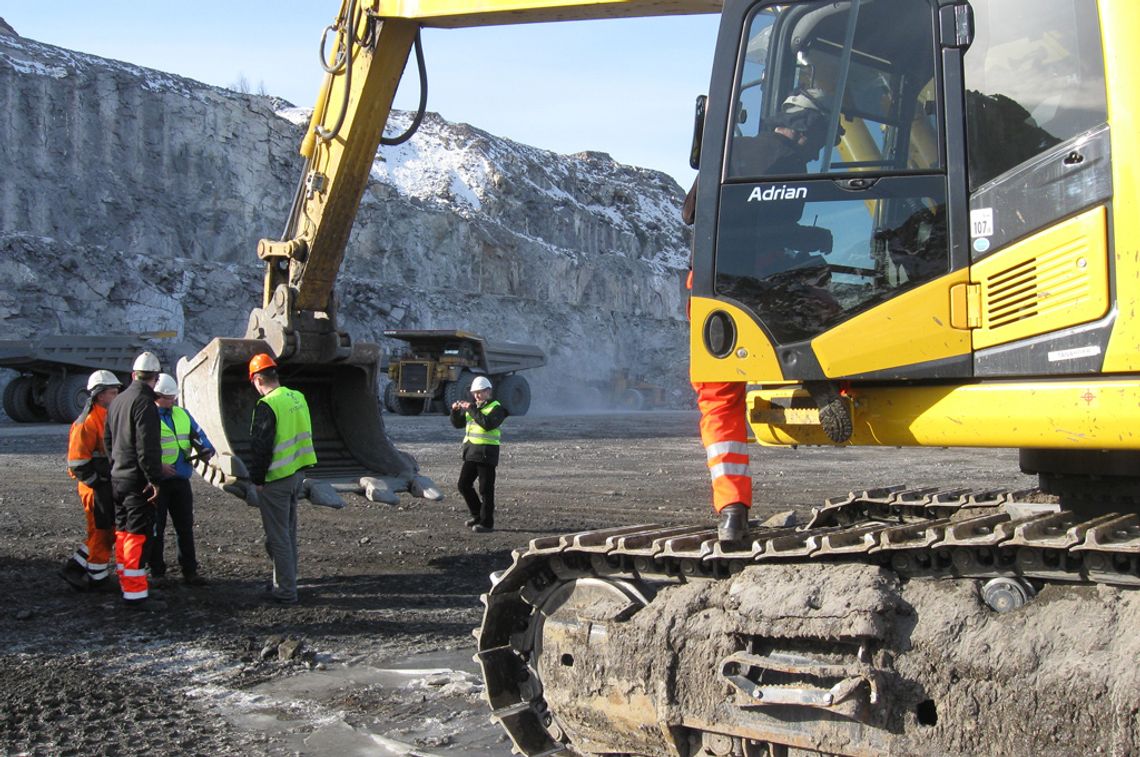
<point x="86" y="455"/>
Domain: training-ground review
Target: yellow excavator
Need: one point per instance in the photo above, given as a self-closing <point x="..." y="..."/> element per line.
<point x="953" y="263"/>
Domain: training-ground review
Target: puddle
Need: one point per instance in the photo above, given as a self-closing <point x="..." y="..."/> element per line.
<point x="427" y="705"/>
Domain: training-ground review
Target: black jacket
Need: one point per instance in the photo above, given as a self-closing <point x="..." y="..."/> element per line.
<point x="488" y="454"/>
<point x="133" y="438"/>
<point x="262" y="434"/>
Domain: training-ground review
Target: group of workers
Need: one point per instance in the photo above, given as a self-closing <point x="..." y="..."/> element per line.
<point x="132" y="451"/>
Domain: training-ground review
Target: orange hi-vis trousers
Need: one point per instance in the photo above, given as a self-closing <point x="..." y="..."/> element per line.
<point x="724" y="433"/>
<point x="100" y="541"/>
<point x="132" y="575"/>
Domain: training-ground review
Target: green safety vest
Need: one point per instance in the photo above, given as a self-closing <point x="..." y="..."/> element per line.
<point x="177" y="438"/>
<point x="476" y="434"/>
<point x="293" y="444"/>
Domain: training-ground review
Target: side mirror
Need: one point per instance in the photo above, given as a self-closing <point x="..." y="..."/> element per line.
<point x="698" y="130"/>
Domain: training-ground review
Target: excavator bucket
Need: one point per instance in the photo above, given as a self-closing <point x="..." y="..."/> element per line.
<point x="353" y="451"/>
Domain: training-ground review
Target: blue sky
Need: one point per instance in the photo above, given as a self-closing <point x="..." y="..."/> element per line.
<point x="623" y="87"/>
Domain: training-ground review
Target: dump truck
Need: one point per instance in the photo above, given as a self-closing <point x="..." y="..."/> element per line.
<point x="955" y="266"/>
<point x="437" y="367"/>
<point x="53" y="372"/>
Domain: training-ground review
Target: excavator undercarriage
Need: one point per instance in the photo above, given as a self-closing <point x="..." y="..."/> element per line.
<point x="897" y="621"/>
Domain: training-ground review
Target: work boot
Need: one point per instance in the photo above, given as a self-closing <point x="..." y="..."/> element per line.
<point x="471" y="522"/>
<point x="479" y="528"/>
<point x="834" y="417"/>
<point x="76" y="575"/>
<point x="107" y="584"/>
<point x="733" y="524"/>
<point x="193" y="579"/>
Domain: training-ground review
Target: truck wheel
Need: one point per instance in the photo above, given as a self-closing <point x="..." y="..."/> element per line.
<point x="409" y="405"/>
<point x="514" y="394"/>
<point x="460" y="389"/>
<point x="19" y="402"/>
<point x="69" y="398"/>
<point x="631" y="399"/>
<point x="390" y="398"/>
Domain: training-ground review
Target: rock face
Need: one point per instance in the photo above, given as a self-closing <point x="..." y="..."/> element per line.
<point x="133" y="201"/>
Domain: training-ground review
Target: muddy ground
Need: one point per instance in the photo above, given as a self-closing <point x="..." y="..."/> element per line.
<point x="389" y="594"/>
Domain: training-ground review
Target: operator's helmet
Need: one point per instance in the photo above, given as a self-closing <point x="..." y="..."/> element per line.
<point x="166" y="385"/>
<point x="260" y="362"/>
<point x="480" y="383"/>
<point x="807" y="111"/>
<point x="147" y="362"/>
<point x="100" y="380"/>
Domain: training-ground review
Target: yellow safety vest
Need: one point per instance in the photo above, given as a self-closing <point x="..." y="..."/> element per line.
<point x="177" y="438"/>
<point x="476" y="434"/>
<point x="293" y="444"/>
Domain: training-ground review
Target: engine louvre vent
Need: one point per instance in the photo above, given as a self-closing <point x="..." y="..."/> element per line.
<point x="1051" y="281"/>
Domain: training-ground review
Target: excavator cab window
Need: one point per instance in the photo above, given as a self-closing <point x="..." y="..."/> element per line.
<point x="834" y="190"/>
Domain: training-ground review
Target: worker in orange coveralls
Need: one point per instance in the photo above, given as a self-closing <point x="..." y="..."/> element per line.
<point x="133" y="439"/>
<point x="88" y="464"/>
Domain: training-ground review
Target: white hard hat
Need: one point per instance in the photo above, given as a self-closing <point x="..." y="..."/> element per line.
<point x="480" y="383"/>
<point x="806" y="99"/>
<point x="101" y="380"/>
<point x="166" y="385"/>
<point x="147" y="362"/>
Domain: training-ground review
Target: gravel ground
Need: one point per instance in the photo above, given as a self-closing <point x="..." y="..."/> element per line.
<point x="381" y="587"/>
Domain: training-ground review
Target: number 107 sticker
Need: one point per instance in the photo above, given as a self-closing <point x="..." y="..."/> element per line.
<point x="982" y="222"/>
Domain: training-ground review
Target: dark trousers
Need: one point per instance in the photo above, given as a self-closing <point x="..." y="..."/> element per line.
<point x="482" y="510"/>
<point x="176" y="498"/>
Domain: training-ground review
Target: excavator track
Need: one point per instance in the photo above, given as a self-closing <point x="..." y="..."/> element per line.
<point x="568" y="668"/>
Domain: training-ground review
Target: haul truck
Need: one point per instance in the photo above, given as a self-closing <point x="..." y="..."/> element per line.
<point x="53" y="371"/>
<point x="437" y="368"/>
<point x="972" y="280"/>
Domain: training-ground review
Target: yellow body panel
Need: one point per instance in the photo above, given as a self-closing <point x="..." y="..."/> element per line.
<point x="1120" y="24"/>
<point x="462" y="13"/>
<point x="1052" y="280"/>
<point x="915" y="327"/>
<point x="752" y="358"/>
<point x="1058" y="414"/>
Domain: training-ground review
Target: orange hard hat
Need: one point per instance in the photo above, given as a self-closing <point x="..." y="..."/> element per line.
<point x="259" y="363"/>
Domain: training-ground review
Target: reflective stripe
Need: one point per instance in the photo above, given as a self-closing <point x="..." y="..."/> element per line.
<point x="80" y="558"/>
<point x="98" y="575"/>
<point x="135" y="594"/>
<point x="283" y="461"/>
<point x="475" y="435"/>
<point x="725" y="448"/>
<point x="96" y="565"/>
<point x="134" y="572"/>
<point x="728" y="469"/>
<point x="78" y="462"/>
